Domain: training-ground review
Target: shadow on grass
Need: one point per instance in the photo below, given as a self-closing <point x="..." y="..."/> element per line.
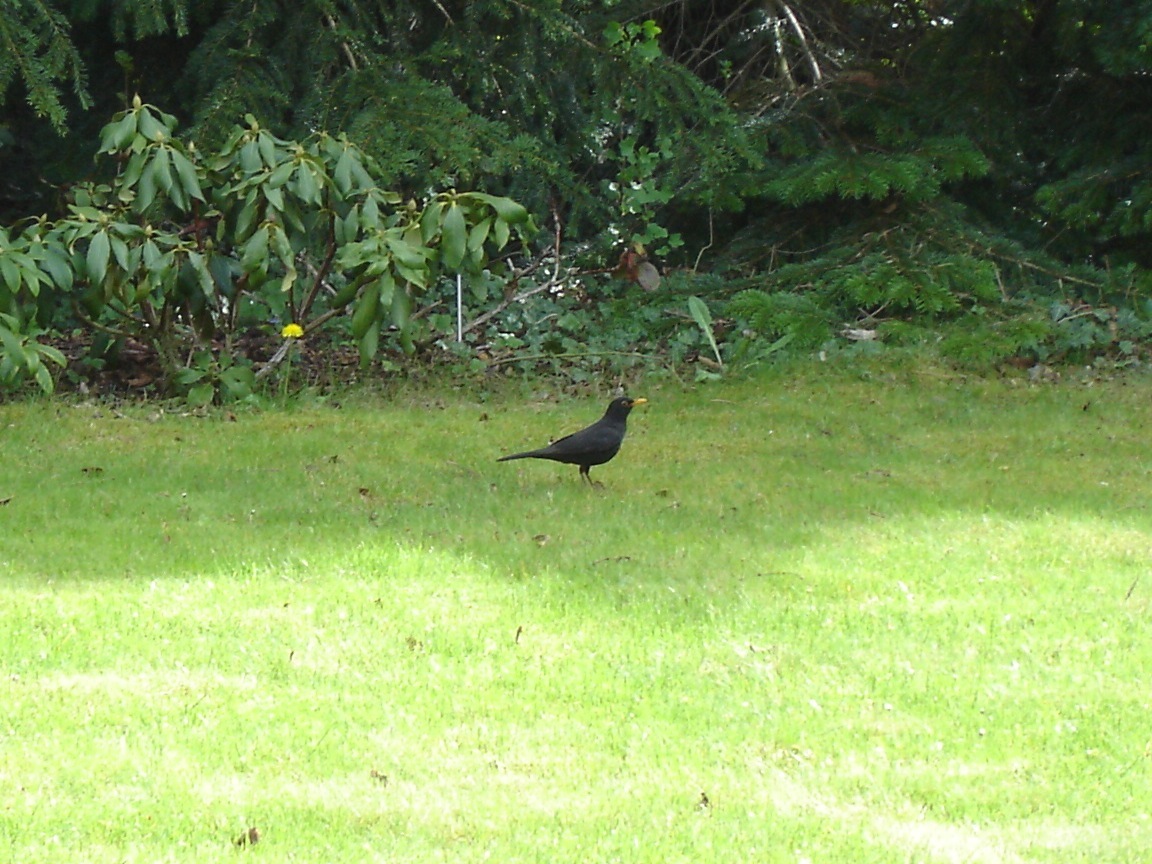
<point x="713" y="487"/>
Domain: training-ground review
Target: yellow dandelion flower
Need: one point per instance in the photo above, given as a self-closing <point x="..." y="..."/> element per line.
<point x="292" y="331"/>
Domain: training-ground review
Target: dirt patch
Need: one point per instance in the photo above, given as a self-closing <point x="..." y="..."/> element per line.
<point x="131" y="369"/>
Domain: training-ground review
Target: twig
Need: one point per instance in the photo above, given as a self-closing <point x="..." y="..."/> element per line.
<point x="344" y="46"/>
<point x="803" y="40"/>
<point x="552" y="282"/>
<point x="443" y="11"/>
<point x="103" y="328"/>
<point x="782" y="67"/>
<point x="568" y="355"/>
<point x="320" y="320"/>
<point x="275" y="360"/>
<point x="319" y="275"/>
<point x="532" y="11"/>
<point x="484" y="318"/>
<point x="703" y="249"/>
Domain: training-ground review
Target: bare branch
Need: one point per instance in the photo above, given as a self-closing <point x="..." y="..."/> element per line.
<point x="816" y="75"/>
<point x="443" y="11"/>
<point x="344" y="46"/>
<point x="275" y="360"/>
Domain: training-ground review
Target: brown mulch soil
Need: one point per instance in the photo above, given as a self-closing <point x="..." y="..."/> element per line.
<point x="133" y="370"/>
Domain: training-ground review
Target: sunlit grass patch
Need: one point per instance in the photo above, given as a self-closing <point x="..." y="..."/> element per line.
<point x="822" y="619"/>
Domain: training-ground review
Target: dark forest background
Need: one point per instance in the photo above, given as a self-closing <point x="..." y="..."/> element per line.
<point x="702" y="182"/>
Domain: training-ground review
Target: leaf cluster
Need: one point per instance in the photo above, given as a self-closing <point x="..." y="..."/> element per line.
<point x="183" y="248"/>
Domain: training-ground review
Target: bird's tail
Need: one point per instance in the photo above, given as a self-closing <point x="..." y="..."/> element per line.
<point x="529" y="454"/>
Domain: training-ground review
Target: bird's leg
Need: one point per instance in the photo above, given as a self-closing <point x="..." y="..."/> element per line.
<point x="595" y="484"/>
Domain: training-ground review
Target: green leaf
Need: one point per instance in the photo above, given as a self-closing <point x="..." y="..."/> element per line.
<point x="343" y="173"/>
<point x="248" y="216"/>
<point x="53" y="354"/>
<point x="703" y="318"/>
<point x="407" y="254"/>
<point x="280" y="176"/>
<point x="289" y="279"/>
<point x="44" y="379"/>
<point x="161" y="169"/>
<point x="510" y="211"/>
<point x="360" y="175"/>
<point x="430" y="220"/>
<point x="132" y="173"/>
<point x="151" y="254"/>
<point x="220" y="266"/>
<point x="370" y="213"/>
<point x="99" y="251"/>
<point x="145" y="189"/>
<point x="34" y="279"/>
<point x="401" y="308"/>
<point x="255" y="255"/>
<point x="150" y="126"/>
<point x="267" y="145"/>
<point x="369" y="344"/>
<point x="282" y="246"/>
<point x="344" y="296"/>
<point x="201" y="395"/>
<point x="13" y="347"/>
<point x="118" y="134"/>
<point x="186" y="173"/>
<point x="479" y="234"/>
<point x="501" y="233"/>
<point x="413" y="277"/>
<point x="59" y="267"/>
<point x="31" y="359"/>
<point x="199" y="267"/>
<point x="189" y="375"/>
<point x="348" y="228"/>
<point x="406" y="341"/>
<point x="700" y="313"/>
<point x="387" y="283"/>
<point x="120" y="252"/>
<point x="453" y="237"/>
<point x="145" y="286"/>
<point x="780" y="343"/>
<point x="250" y="158"/>
<point x="304" y="185"/>
<point x="238" y="381"/>
<point x="366" y="312"/>
<point x="10" y="273"/>
<point x="274" y="196"/>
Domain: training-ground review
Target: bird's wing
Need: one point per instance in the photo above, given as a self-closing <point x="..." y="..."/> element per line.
<point x="595" y="437"/>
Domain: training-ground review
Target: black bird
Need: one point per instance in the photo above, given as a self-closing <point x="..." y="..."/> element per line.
<point x="594" y="445"/>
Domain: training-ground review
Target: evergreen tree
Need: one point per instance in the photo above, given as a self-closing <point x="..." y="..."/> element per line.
<point x="883" y="162"/>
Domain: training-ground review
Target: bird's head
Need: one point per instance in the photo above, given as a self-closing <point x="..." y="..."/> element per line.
<point x="621" y="405"/>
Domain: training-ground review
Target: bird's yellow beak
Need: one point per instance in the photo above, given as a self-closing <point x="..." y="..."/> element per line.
<point x="636" y="402"/>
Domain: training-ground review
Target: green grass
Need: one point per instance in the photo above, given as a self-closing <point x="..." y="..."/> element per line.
<point x="892" y="618"/>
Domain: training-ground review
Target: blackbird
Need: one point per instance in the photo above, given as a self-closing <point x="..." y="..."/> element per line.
<point x="594" y="445"/>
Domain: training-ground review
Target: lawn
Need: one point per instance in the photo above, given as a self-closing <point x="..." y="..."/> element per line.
<point x="892" y="616"/>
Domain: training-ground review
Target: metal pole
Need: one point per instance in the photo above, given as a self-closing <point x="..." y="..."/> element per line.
<point x="459" y="309"/>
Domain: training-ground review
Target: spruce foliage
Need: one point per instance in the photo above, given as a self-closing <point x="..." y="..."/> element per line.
<point x="898" y="166"/>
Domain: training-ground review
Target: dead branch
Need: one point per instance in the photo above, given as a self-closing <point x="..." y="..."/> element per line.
<point x="344" y="46"/>
<point x="805" y="47"/>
